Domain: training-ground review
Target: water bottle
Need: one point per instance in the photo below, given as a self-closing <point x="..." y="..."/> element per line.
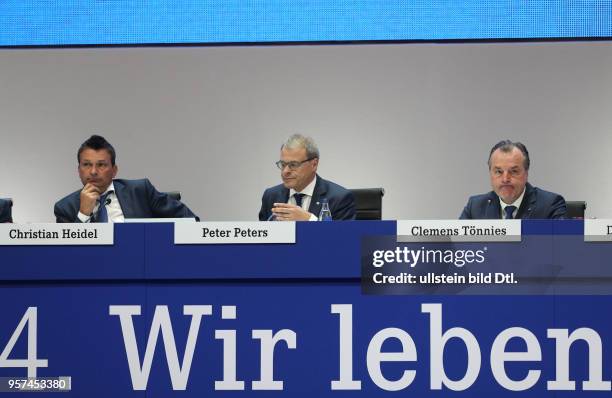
<point x="325" y="214"/>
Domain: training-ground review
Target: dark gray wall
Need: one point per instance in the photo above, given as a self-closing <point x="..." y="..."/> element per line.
<point x="417" y="120"/>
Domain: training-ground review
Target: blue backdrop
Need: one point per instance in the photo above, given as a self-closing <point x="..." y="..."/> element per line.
<point x="72" y="22"/>
<point x="275" y="287"/>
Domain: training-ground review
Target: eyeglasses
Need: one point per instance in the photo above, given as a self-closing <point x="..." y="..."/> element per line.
<point x="292" y="165"/>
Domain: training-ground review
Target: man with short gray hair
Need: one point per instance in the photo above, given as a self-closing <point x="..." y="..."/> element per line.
<point x="300" y="196"/>
<point x="512" y="196"/>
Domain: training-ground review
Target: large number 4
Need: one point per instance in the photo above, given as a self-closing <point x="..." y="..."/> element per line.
<point x="32" y="363"/>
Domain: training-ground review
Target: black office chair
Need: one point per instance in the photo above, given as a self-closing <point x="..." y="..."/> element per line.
<point x="10" y="203"/>
<point x="9" y="200"/>
<point x="368" y="203"/>
<point x="575" y="209"/>
<point x="174" y="194"/>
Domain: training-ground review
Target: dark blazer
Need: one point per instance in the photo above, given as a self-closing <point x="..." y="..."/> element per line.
<point x="5" y="211"/>
<point x="341" y="200"/>
<point x="138" y="199"/>
<point x="537" y="203"/>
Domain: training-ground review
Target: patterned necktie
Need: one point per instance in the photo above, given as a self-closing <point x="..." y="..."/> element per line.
<point x="509" y="210"/>
<point x="102" y="214"/>
<point x="298" y="198"/>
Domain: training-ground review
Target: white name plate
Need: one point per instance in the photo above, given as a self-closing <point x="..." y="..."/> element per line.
<point x="56" y="234"/>
<point x="459" y="230"/>
<point x="226" y="232"/>
<point x="157" y="220"/>
<point x="598" y="230"/>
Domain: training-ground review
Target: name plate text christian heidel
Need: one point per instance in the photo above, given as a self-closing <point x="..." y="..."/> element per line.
<point x="459" y="231"/>
<point x="56" y="234"/>
<point x="226" y="232"/>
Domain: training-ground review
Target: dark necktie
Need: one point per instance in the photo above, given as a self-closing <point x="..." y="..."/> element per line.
<point x="298" y="198"/>
<point x="509" y="210"/>
<point x="102" y="214"/>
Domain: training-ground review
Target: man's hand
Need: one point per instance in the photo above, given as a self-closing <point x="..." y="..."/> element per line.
<point x="289" y="212"/>
<point x="89" y="196"/>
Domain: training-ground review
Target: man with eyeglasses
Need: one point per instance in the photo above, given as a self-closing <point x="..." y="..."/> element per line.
<point x="512" y="196"/>
<point x="302" y="192"/>
<point x="105" y="199"/>
<point x="5" y="211"/>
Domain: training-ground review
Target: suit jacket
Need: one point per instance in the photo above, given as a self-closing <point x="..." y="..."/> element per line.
<point x="341" y="200"/>
<point x="138" y="199"/>
<point x="5" y="211"/>
<point x="537" y="204"/>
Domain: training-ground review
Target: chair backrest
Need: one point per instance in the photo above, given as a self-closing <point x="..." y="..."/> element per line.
<point x="174" y="194"/>
<point x="10" y="203"/>
<point x="368" y="203"/>
<point x="575" y="209"/>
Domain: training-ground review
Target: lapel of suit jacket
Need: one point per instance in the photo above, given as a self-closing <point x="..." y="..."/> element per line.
<point x="320" y="191"/>
<point x="122" y="197"/>
<point x="283" y="196"/>
<point x="528" y="204"/>
<point x="493" y="210"/>
<point x="279" y="196"/>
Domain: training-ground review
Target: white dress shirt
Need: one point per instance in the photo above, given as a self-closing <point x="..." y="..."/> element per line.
<point x="516" y="203"/>
<point x="113" y="208"/>
<point x="308" y="192"/>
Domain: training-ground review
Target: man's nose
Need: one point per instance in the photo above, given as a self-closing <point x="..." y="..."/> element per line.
<point x="506" y="176"/>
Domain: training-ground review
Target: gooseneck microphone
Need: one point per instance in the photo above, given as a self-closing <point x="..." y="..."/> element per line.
<point x="96" y="216"/>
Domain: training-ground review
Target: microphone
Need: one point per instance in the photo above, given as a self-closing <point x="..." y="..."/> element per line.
<point x="97" y="214"/>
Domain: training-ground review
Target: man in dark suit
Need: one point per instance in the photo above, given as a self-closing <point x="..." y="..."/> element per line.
<point x="300" y="196"/>
<point x="5" y="211"/>
<point x="512" y="195"/>
<point x="105" y="199"/>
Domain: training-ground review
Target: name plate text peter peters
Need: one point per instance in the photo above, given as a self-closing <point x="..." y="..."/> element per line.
<point x="227" y="232"/>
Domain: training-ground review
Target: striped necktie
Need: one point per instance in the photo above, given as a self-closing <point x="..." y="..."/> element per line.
<point x="102" y="213"/>
<point x="509" y="210"/>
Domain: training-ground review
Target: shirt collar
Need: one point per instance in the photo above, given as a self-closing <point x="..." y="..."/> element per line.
<point x="111" y="188"/>
<point x="308" y="190"/>
<point x="516" y="203"/>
